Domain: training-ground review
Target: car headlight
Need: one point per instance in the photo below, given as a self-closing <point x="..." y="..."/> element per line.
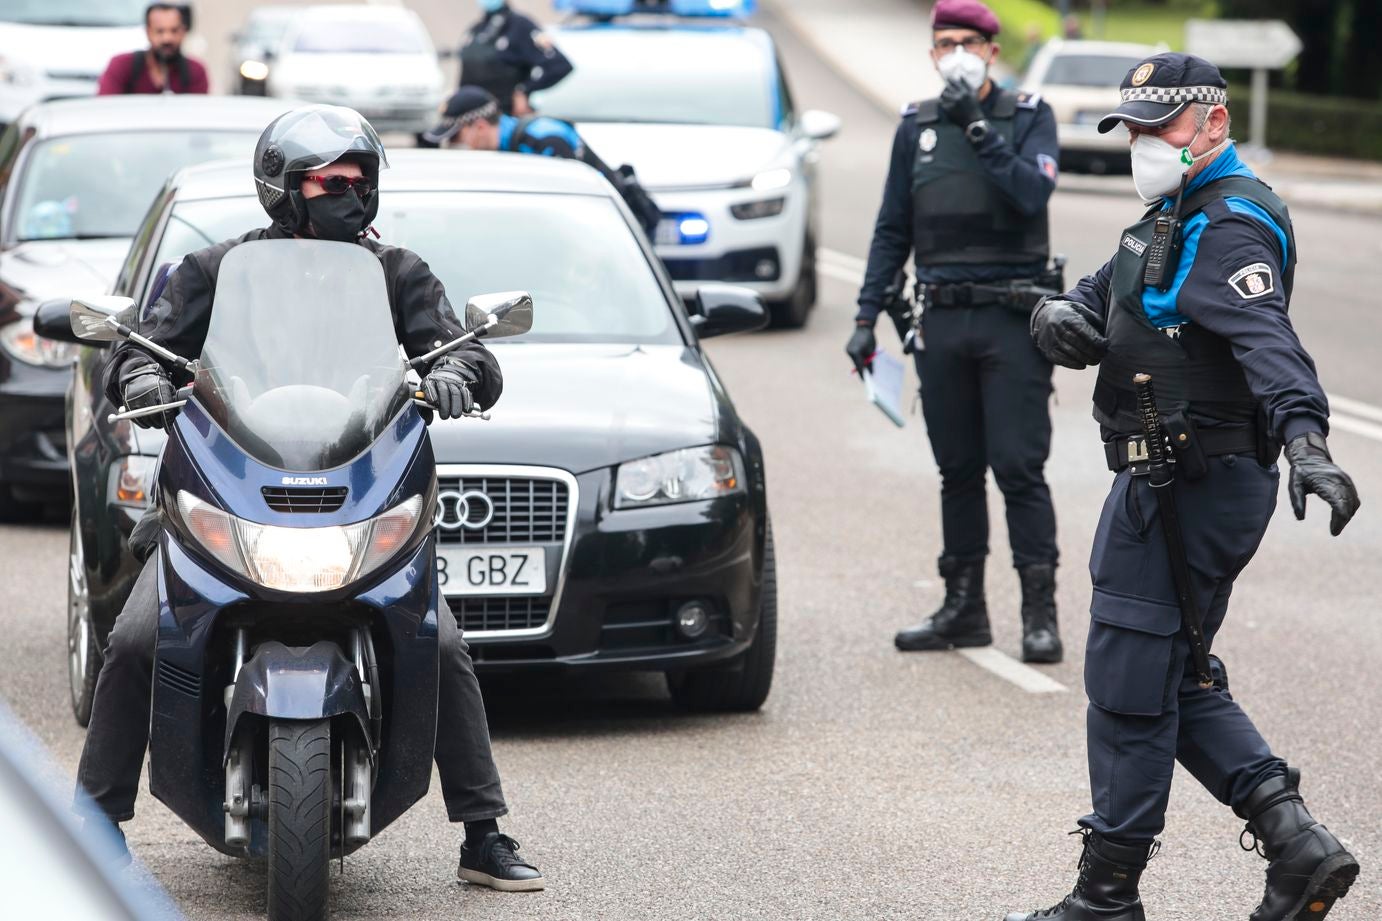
<point x="133" y="478"/>
<point x="254" y="70"/>
<point x="688" y="475"/>
<point x="753" y="210"/>
<point x="300" y="559"/>
<point x="20" y="342"/>
<point x="771" y="180"/>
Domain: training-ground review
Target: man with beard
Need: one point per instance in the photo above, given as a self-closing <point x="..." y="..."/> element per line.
<point x="161" y="68"/>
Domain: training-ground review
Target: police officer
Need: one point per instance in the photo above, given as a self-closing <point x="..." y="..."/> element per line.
<point x="1203" y="310"/>
<point x="472" y="119"/>
<point x="967" y="188"/>
<point x="509" y="55"/>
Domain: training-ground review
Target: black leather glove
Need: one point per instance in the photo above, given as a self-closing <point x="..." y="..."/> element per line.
<point x="1314" y="471"/>
<point x="1068" y="334"/>
<point x="447" y="387"/>
<point x="961" y="104"/>
<point x="147" y="385"/>
<point x="861" y="347"/>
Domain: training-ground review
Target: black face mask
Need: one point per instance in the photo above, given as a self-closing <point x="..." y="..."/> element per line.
<point x="336" y="217"/>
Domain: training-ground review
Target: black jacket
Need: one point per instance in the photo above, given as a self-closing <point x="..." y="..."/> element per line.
<point x="423" y="318"/>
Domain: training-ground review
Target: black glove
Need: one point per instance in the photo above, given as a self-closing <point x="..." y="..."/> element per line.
<point x="961" y="104"/>
<point x="861" y="347"/>
<point x="1314" y="471"/>
<point x="447" y="388"/>
<point x="148" y="385"/>
<point x="1068" y="334"/>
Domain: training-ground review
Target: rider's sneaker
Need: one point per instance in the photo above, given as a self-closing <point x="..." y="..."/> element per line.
<point x="495" y="863"/>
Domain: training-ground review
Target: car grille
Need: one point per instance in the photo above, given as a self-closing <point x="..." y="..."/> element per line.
<point x="298" y="499"/>
<point x="527" y="510"/>
<point x="480" y="614"/>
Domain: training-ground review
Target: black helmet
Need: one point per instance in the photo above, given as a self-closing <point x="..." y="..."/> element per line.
<point x="305" y="139"/>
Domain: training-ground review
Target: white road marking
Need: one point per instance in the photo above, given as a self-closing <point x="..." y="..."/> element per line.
<point x="1352" y="416"/>
<point x="1011" y="670"/>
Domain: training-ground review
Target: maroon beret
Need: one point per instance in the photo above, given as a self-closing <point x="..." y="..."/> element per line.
<point x="964" y="14"/>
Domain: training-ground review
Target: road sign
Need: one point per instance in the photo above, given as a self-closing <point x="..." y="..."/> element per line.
<point x="1253" y="43"/>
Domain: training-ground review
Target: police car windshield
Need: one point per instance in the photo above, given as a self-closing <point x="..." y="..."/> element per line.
<point x="671" y="76"/>
<point x="1088" y="70"/>
<point x="74" y="12"/>
<point x="362" y="36"/>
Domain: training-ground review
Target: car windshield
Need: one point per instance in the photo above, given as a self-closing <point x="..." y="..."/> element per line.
<point x="100" y="185"/>
<point x="301" y="365"/>
<point x="1088" y="70"/>
<point x="359" y="36"/>
<point x="74" y="12"/>
<point x="575" y="254"/>
<point x="633" y="76"/>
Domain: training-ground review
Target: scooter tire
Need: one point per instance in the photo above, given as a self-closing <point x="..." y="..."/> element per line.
<point x="300" y="788"/>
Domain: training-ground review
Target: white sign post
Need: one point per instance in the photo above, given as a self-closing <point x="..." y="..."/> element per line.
<point x="1258" y="44"/>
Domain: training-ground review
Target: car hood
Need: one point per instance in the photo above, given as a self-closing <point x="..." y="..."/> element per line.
<point x="681" y="156"/>
<point x="356" y="74"/>
<point x="70" y="51"/>
<point x="579" y="407"/>
<point x="1065" y="101"/>
<point x="44" y="269"/>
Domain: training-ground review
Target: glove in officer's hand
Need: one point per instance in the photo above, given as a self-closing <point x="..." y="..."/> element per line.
<point x="1068" y="334"/>
<point x="1314" y="471"/>
<point x="861" y="347"/>
<point x="149" y="386"/>
<point x="447" y="388"/>
<point x="961" y="104"/>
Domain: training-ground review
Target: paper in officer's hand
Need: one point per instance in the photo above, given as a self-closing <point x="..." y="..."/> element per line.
<point x="883" y="383"/>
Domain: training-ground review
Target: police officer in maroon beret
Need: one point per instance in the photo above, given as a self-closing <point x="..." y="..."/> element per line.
<point x="967" y="188"/>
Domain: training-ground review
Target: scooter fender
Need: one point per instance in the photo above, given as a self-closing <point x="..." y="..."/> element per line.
<point x="297" y="683"/>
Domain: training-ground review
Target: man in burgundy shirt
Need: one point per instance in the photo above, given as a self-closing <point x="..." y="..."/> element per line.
<point x="161" y="68"/>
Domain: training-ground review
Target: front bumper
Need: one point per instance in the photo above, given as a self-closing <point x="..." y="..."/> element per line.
<point x="33" y="432"/>
<point x="407" y="116"/>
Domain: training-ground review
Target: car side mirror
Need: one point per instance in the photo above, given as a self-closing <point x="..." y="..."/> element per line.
<point x="725" y="309"/>
<point x="90" y="316"/>
<point x="53" y="320"/>
<point x="512" y="313"/>
<point x="818" y="125"/>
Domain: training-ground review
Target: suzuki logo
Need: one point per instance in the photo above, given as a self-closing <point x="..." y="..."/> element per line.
<point x="472" y="510"/>
<point x="304" y="481"/>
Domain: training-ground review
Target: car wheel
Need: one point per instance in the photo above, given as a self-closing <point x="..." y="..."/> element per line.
<point x="794" y="311"/>
<point x="743" y="685"/>
<point x="83" y="652"/>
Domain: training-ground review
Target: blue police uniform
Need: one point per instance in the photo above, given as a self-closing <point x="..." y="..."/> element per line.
<point x="506" y="51"/>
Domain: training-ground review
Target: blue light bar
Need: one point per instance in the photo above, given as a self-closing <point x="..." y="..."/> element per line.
<point x="687" y="8"/>
<point x="692" y="229"/>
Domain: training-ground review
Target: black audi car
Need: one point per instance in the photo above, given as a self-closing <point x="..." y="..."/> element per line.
<point x="611" y="514"/>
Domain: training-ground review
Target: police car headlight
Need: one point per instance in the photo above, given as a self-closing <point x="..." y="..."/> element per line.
<point x="688" y="475"/>
<point x="772" y="180"/>
<point x="20" y="342"/>
<point x="753" y="210"/>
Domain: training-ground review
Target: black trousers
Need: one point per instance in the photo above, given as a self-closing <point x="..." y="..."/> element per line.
<point x="119" y="732"/>
<point x="985" y="391"/>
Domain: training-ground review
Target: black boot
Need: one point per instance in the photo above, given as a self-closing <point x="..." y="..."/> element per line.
<point x="963" y="618"/>
<point x="1040" y="635"/>
<point x="1106" y="889"/>
<point x="1308" y="870"/>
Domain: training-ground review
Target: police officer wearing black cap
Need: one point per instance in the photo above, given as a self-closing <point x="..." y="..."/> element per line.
<point x="509" y="55"/>
<point x="967" y="188"/>
<point x="1197" y="298"/>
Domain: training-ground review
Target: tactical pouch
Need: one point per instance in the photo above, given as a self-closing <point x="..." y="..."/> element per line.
<point x="1185" y="442"/>
<point x="1268" y="448"/>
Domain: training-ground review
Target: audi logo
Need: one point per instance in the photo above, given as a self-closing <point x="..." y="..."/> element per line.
<point x="472" y="510"/>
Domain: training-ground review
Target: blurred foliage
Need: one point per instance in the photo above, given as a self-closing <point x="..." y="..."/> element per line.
<point x="1148" y="23"/>
<point x="1020" y="20"/>
<point x="1328" y="126"/>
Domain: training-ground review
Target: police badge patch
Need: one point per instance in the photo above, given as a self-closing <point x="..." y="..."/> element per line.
<point x="928" y="140"/>
<point x="1253" y="281"/>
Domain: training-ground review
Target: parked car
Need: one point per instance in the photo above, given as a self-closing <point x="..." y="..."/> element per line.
<point x="75" y="178"/>
<point x="255" y="46"/>
<point x="378" y="60"/>
<point x="56" y="49"/>
<point x="1080" y="79"/>
<point x="611" y="515"/>
<point x="699" y="104"/>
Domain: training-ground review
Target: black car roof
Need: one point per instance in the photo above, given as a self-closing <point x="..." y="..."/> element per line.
<point x="102" y="114"/>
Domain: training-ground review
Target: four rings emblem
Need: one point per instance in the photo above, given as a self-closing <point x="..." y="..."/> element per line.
<point x="472" y="510"/>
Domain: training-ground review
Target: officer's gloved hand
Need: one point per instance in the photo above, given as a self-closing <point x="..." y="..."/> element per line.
<point x="861" y="346"/>
<point x="144" y="386"/>
<point x="1314" y="471"/>
<point x="448" y="385"/>
<point x="1068" y="334"/>
<point x="961" y="104"/>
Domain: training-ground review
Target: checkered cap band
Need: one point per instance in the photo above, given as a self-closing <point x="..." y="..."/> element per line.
<point x="1175" y="95"/>
<point x="488" y="111"/>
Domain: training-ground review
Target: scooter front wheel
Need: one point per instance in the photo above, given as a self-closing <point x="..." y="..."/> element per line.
<point x="300" y="786"/>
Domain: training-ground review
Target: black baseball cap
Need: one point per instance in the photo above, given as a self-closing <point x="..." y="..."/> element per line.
<point x="1162" y="86"/>
<point x="468" y="104"/>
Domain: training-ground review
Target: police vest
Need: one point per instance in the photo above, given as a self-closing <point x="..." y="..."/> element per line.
<point x="483" y="65"/>
<point x="959" y="214"/>
<point x="1196" y="369"/>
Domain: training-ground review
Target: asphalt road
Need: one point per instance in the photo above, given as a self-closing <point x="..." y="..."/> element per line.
<point x="873" y="784"/>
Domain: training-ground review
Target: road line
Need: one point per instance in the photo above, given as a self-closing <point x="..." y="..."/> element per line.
<point x="848" y="276"/>
<point x="845" y="260"/>
<point x="1355" y="407"/>
<point x="1344" y="423"/>
<point x="1011" y="670"/>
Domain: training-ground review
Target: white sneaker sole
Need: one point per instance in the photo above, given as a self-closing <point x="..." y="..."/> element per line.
<point x="476" y="878"/>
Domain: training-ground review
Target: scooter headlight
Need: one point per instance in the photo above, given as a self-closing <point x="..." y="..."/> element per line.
<point x="300" y="559"/>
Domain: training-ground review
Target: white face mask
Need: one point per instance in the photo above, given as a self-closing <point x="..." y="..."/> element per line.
<point x="969" y="69"/>
<point x="1157" y="167"/>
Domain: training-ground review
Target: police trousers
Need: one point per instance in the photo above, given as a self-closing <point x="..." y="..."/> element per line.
<point x="985" y="391"/>
<point x="1146" y="709"/>
<point x="118" y="735"/>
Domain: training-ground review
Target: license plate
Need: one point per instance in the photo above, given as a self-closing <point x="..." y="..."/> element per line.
<point x="492" y="570"/>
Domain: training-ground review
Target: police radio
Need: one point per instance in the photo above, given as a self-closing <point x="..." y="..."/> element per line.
<point x="1163" y="255"/>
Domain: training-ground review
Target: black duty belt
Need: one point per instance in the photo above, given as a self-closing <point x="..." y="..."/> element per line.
<point x="1019" y="295"/>
<point x="1126" y="451"/>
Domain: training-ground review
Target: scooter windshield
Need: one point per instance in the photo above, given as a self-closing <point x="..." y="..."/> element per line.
<point x="301" y="365"/>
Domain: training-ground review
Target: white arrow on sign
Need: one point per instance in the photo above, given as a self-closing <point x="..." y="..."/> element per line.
<point x="1253" y="43"/>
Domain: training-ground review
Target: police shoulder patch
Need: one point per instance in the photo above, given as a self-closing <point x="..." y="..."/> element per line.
<point x="1028" y="100"/>
<point x="1048" y="165"/>
<point x="1253" y="281"/>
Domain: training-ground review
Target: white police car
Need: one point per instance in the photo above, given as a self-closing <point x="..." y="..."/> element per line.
<point x="697" y="102"/>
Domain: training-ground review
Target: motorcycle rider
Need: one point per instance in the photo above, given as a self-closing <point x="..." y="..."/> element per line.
<point x="316" y="171"/>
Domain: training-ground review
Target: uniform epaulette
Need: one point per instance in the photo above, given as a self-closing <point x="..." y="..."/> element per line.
<point x="910" y="109"/>
<point x="1028" y="100"/>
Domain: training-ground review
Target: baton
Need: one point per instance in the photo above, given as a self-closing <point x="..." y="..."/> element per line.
<point x="1161" y="478"/>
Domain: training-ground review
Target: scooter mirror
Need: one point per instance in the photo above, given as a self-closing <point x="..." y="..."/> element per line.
<point x="512" y="312"/>
<point x="90" y="317"/>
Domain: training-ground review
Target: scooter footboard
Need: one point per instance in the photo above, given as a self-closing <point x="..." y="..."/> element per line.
<point x="297" y="683"/>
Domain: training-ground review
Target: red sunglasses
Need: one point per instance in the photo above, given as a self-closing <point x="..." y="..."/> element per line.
<point x="339" y="185"/>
